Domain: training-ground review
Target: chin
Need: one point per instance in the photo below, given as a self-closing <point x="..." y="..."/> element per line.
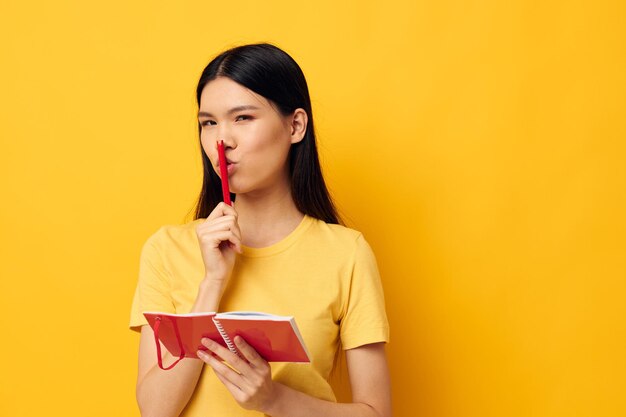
<point x="245" y="190"/>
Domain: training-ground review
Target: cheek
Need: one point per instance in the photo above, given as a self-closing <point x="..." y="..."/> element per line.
<point x="270" y="138"/>
<point x="208" y="147"/>
<point x="271" y="150"/>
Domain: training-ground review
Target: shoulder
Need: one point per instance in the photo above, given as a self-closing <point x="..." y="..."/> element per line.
<point x="335" y="231"/>
<point x="339" y="237"/>
<point x="174" y="235"/>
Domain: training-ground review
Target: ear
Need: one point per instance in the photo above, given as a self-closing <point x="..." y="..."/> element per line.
<point x="299" y="122"/>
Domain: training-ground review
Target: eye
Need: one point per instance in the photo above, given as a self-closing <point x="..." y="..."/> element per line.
<point x="208" y="123"/>
<point x="243" y="117"/>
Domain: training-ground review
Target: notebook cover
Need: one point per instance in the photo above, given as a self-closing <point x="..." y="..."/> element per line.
<point x="274" y="340"/>
<point x="192" y="328"/>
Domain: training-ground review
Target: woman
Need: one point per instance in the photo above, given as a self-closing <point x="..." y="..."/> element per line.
<point x="279" y="249"/>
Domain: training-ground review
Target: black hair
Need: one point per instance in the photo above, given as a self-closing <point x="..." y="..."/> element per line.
<point x="272" y="73"/>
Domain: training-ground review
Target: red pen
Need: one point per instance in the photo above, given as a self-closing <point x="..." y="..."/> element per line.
<point x="223" y="172"/>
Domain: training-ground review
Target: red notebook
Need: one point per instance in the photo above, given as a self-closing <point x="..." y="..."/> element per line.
<point x="275" y="338"/>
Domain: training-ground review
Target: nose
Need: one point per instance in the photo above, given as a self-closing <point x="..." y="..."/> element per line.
<point x="228" y="142"/>
<point x="224" y="134"/>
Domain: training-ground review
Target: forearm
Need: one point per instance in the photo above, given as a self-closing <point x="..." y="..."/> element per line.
<point x="248" y="378"/>
<point x="209" y="295"/>
<point x="292" y="403"/>
<point x="165" y="393"/>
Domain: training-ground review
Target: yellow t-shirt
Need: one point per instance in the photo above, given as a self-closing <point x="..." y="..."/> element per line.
<point x="322" y="274"/>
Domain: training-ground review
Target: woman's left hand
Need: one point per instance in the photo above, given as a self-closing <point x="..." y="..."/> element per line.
<point x="251" y="384"/>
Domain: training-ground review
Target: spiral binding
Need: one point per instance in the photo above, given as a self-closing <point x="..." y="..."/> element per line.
<point x="231" y="346"/>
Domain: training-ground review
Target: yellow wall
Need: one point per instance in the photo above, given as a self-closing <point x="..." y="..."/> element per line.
<point x="478" y="145"/>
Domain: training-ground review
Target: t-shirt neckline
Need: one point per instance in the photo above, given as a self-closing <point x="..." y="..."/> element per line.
<point x="283" y="244"/>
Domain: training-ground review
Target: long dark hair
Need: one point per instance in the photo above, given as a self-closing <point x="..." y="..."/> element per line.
<point x="272" y="73"/>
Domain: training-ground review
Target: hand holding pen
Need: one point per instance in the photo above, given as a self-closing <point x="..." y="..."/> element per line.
<point x="219" y="237"/>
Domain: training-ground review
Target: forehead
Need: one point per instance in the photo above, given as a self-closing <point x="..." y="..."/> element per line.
<point x="223" y="93"/>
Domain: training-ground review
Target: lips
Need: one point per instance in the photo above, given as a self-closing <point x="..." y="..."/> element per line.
<point x="230" y="167"/>
<point x="228" y="163"/>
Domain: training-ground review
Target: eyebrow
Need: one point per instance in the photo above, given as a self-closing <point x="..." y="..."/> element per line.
<point x="231" y="111"/>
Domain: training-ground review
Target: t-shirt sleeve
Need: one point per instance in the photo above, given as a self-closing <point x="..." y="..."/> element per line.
<point x="152" y="291"/>
<point x="364" y="320"/>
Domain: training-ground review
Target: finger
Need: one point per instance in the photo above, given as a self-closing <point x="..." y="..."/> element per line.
<point x="206" y="233"/>
<point x="227" y="221"/>
<point x="251" y="355"/>
<point x="218" y="349"/>
<point x="221" y="217"/>
<point x="234" y="389"/>
<point x="222" y="369"/>
<point x="223" y="223"/>
<point x="237" y="392"/>
<point x="208" y="352"/>
<point x="214" y="240"/>
<point x="205" y="230"/>
<point x="236" y="248"/>
<point x="233" y="241"/>
<point x="207" y="356"/>
<point x="220" y="210"/>
<point x="233" y="359"/>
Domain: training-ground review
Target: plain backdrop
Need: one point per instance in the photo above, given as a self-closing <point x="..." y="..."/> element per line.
<point x="478" y="145"/>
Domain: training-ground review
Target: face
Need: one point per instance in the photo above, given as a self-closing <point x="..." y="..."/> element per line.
<point x="257" y="137"/>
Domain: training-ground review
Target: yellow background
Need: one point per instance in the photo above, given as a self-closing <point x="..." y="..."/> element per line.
<point x="478" y="145"/>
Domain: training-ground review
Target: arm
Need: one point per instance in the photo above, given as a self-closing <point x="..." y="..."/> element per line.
<point x="166" y="393"/>
<point x="253" y="388"/>
<point x="163" y="393"/>
<point x="369" y="381"/>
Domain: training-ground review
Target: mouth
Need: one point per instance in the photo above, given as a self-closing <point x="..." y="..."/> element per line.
<point x="230" y="167"/>
<point x="228" y="163"/>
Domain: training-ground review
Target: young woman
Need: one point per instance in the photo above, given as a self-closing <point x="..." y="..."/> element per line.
<point x="279" y="249"/>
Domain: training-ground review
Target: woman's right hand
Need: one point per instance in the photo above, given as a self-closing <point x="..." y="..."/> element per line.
<point x="220" y="241"/>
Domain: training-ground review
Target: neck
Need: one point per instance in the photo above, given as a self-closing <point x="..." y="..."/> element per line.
<point x="267" y="217"/>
